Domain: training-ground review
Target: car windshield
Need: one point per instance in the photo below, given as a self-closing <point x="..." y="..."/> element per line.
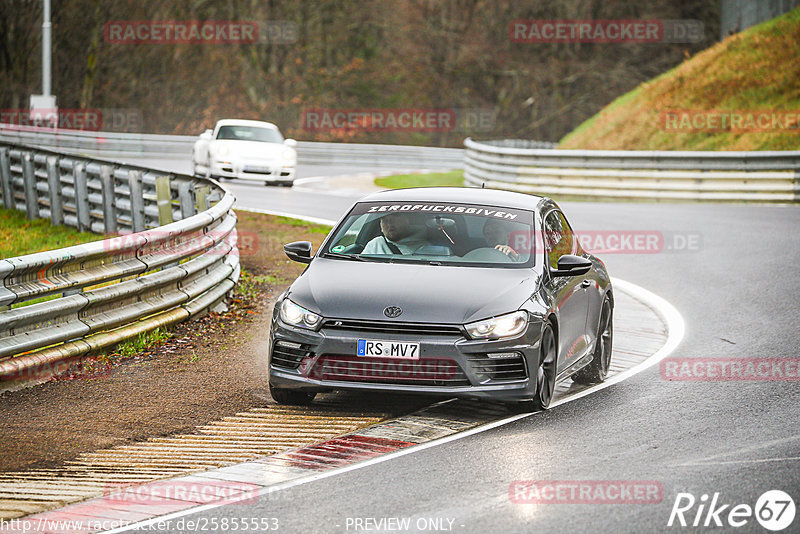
<point x="435" y="233"/>
<point x="250" y="133"/>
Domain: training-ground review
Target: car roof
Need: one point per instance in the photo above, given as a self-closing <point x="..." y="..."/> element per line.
<point x="472" y="195"/>
<point x="244" y="122"/>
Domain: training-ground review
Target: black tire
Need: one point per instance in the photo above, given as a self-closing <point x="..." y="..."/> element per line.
<point x="597" y="370"/>
<point x="545" y="374"/>
<point x="291" y="396"/>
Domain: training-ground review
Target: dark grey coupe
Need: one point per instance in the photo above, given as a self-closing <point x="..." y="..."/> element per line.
<point x="453" y="291"/>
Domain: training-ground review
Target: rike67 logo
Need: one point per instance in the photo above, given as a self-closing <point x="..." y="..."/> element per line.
<point x="774" y="510"/>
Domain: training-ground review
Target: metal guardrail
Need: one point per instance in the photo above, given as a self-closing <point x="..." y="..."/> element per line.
<point x="620" y="174"/>
<point x="108" y="144"/>
<point x="175" y="256"/>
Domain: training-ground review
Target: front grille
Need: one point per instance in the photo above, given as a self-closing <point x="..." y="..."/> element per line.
<point x="288" y="355"/>
<point x="498" y="369"/>
<point x="384" y="327"/>
<point x="259" y="171"/>
<point x="426" y="372"/>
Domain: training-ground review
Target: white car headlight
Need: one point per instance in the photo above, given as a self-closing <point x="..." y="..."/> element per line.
<point x="223" y="150"/>
<point x="297" y="315"/>
<point x="509" y="325"/>
<point x="288" y="154"/>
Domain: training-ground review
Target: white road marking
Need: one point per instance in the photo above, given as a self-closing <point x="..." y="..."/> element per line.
<point x="315" y="220"/>
<point x="739" y="451"/>
<point x="753" y="461"/>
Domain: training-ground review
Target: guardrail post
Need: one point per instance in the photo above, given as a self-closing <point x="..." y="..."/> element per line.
<point x="5" y="178"/>
<point x="109" y="209"/>
<point x="187" y="202"/>
<point x="29" y="180"/>
<point x="797" y="185"/>
<point x="137" y="200"/>
<point x="201" y="197"/>
<point x="81" y="196"/>
<point x="54" y="184"/>
<point x="163" y="200"/>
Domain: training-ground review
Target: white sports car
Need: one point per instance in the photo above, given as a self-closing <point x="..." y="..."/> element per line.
<point x="248" y="150"/>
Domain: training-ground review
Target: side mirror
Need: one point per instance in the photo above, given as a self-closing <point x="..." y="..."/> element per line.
<point x="290" y="142"/>
<point x="298" y="251"/>
<point x="570" y="265"/>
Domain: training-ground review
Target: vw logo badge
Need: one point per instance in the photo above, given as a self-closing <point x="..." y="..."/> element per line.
<point x="392" y="311"/>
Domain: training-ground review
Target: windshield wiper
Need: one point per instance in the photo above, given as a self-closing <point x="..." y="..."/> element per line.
<point x="353" y="257"/>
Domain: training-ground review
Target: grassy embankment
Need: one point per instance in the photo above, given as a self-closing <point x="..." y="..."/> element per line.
<point x="757" y="70"/>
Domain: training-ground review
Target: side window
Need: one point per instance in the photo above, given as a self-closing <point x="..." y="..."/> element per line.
<point x="558" y="238"/>
<point x="575" y="246"/>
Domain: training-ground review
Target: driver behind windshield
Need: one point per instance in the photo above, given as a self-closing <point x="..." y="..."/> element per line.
<point x="496" y="234"/>
<point x="399" y="236"/>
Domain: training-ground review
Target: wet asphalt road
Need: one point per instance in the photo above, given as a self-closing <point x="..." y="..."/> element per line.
<point x="738" y="292"/>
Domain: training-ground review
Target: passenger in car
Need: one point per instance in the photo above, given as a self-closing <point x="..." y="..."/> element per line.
<point x="399" y="236"/>
<point x="496" y="233"/>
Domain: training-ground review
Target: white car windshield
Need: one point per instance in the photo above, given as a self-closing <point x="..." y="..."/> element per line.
<point x="434" y="232"/>
<point x="249" y="133"/>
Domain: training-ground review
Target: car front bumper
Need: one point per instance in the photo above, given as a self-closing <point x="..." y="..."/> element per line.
<point x="254" y="170"/>
<point x="448" y="364"/>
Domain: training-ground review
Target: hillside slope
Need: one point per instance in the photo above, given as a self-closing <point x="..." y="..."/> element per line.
<point x="751" y="79"/>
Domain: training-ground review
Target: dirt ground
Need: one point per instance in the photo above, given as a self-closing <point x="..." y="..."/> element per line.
<point x="210" y="368"/>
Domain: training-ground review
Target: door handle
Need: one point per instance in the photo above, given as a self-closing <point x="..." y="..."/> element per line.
<point x="586" y="283"/>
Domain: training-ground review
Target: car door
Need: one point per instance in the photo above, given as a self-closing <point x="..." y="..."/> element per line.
<point x="594" y="293"/>
<point x="568" y="292"/>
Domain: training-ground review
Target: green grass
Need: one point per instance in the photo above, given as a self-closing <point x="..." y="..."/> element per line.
<point x="311" y="227"/>
<point x="434" y="179"/>
<point x="247" y="286"/>
<point x="19" y="236"/>
<point x="135" y="345"/>
<point x="752" y="71"/>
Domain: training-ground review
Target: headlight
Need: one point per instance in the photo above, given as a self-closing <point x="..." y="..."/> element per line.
<point x="297" y="315"/>
<point x="508" y="325"/>
<point x="223" y="150"/>
<point x="288" y="154"/>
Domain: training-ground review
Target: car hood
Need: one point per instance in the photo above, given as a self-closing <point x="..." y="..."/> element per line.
<point x="250" y="149"/>
<point x="345" y="289"/>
